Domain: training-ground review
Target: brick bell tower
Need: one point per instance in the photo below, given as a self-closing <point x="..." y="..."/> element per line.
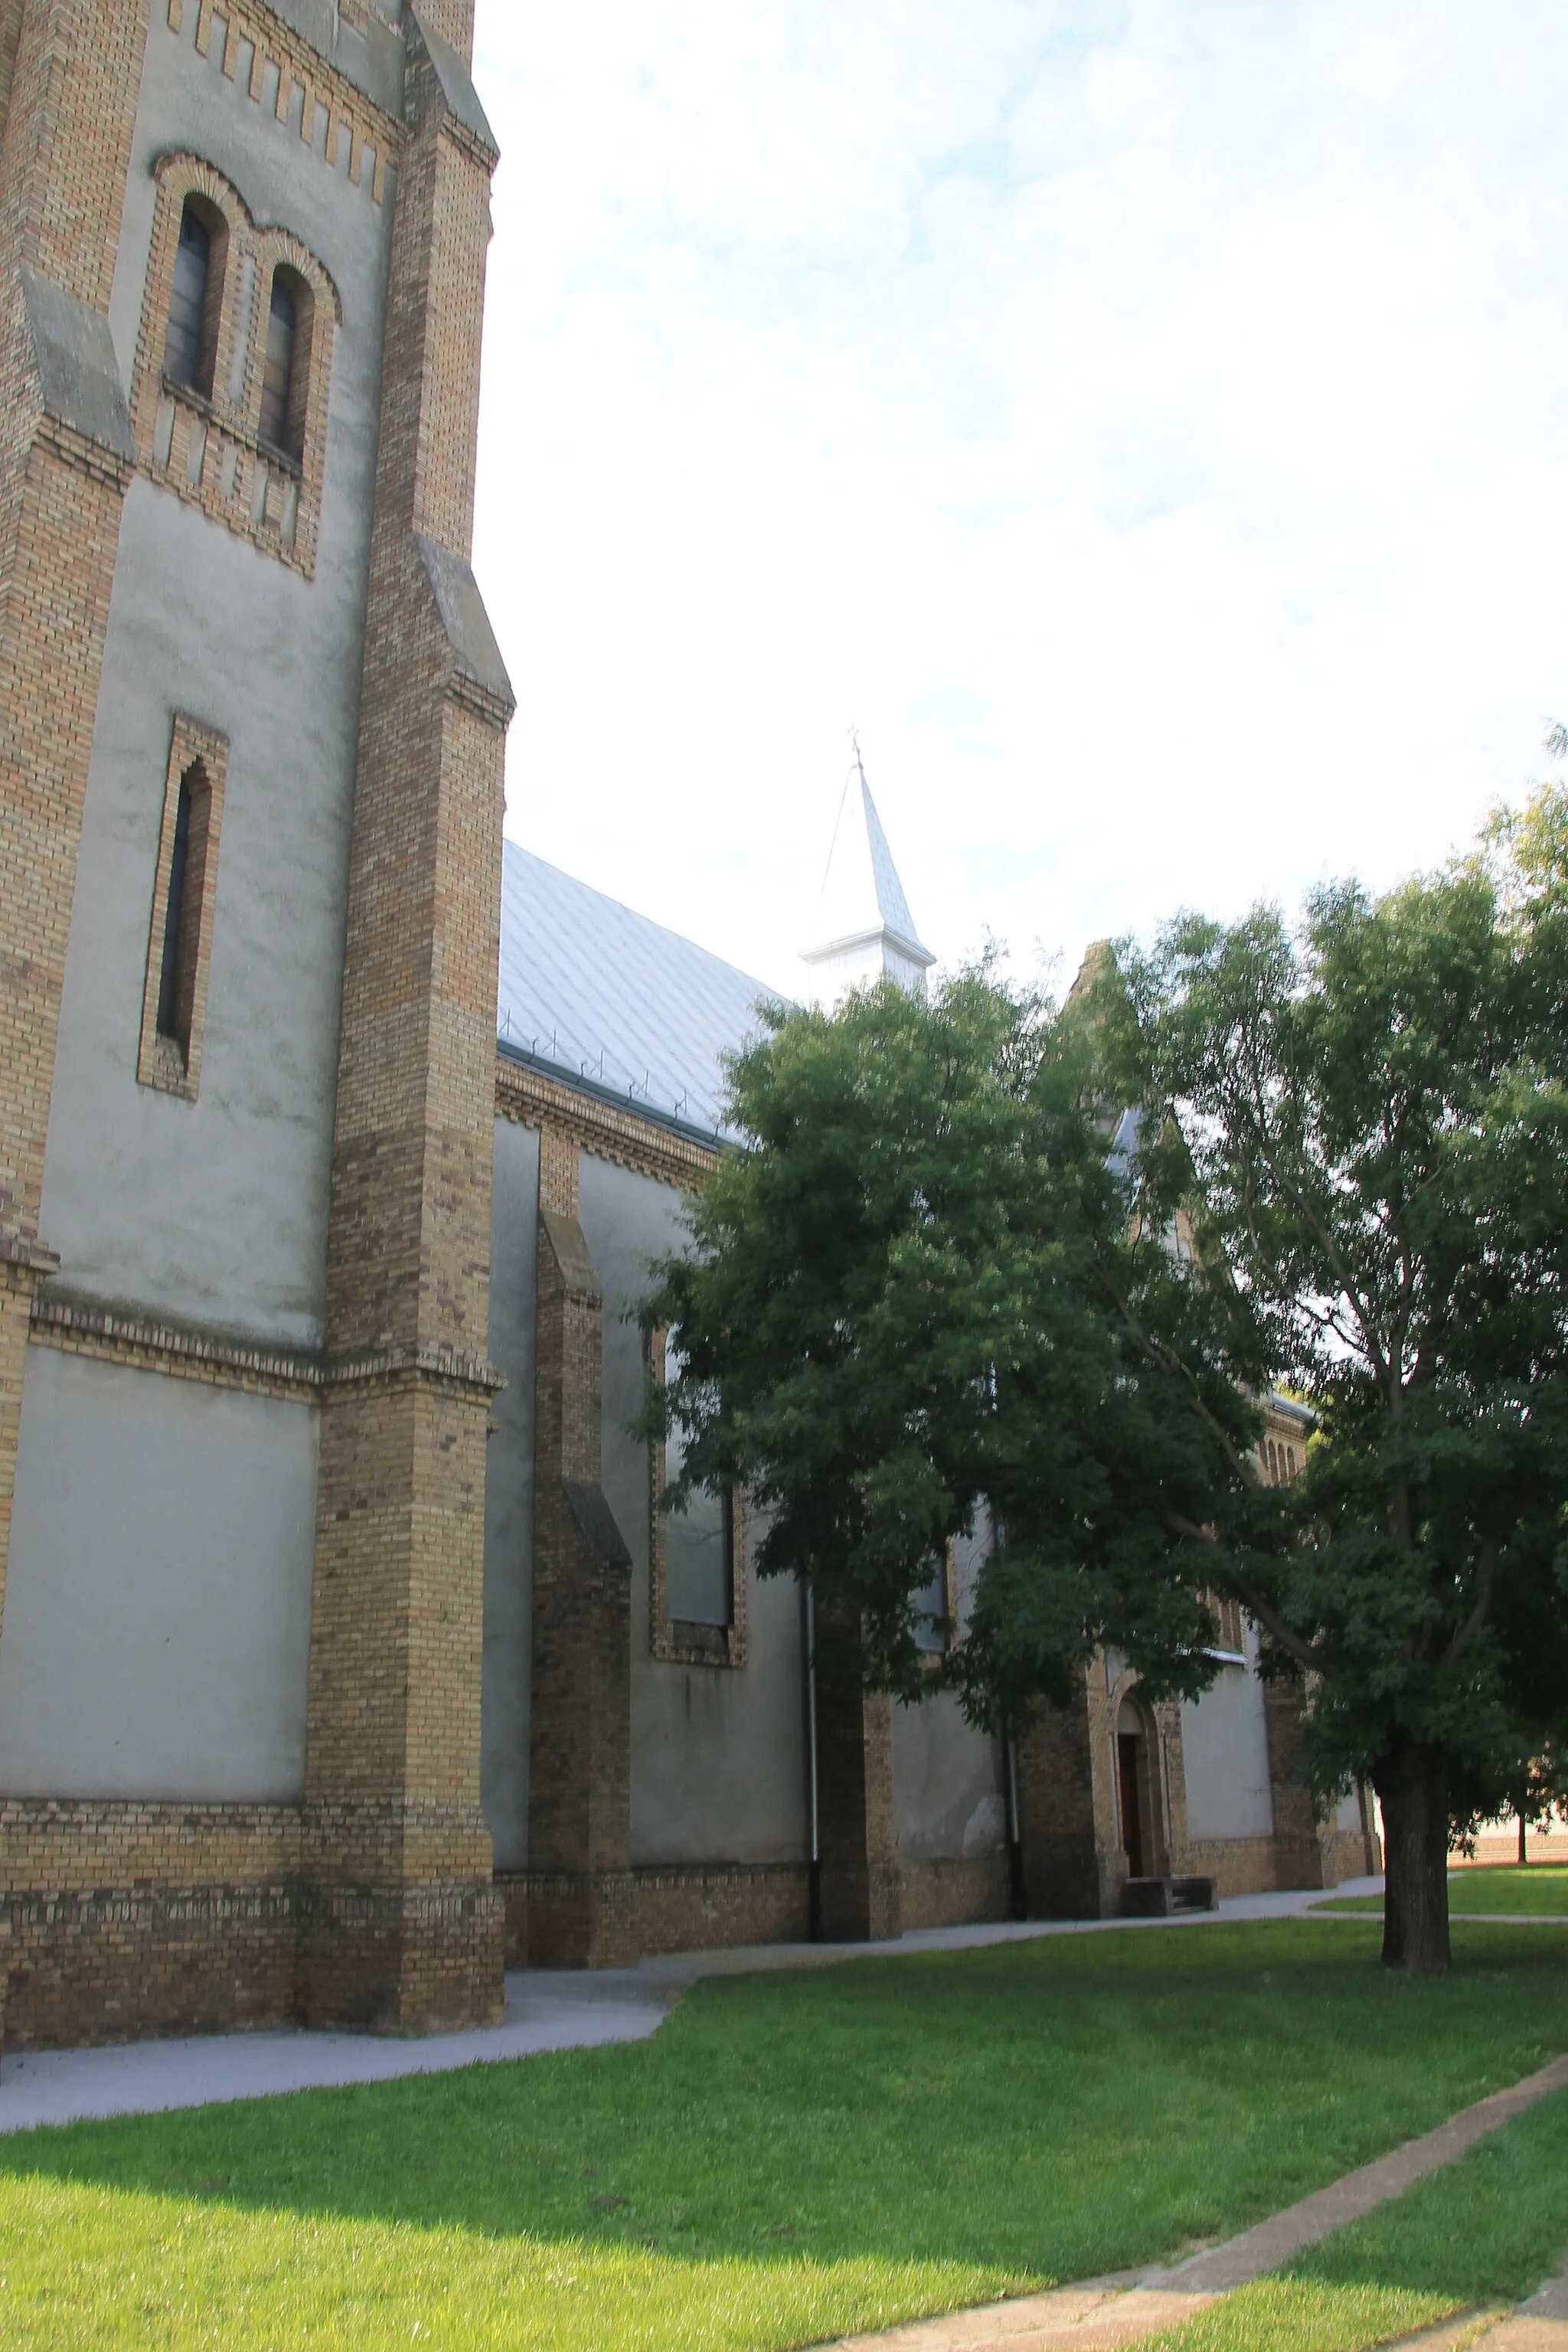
<point x="402" y="1927"/>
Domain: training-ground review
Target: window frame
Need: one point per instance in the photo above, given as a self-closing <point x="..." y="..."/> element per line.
<point x="171" y="1063"/>
<point x="206" y="445"/>
<point x="673" y="1640"/>
<point x="936" y="1654"/>
<point x="210" y="219"/>
<point x="296" y="290"/>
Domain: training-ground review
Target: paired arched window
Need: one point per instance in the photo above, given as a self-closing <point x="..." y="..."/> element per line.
<point x="230" y="391"/>
<point x="195" y="304"/>
<point x="286" y="376"/>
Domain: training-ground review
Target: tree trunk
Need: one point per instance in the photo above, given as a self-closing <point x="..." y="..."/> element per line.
<point x="1523" y="1856"/>
<point x="1413" y="1785"/>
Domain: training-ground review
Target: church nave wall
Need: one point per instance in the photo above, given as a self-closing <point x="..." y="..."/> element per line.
<point x="509" y="1495"/>
<point x="718" y="1754"/>
<point x="949" y="1802"/>
<point x="158" y="1604"/>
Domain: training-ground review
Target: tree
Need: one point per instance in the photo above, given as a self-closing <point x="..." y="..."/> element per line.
<point x="929" y="1283"/>
<point x="852" y="1270"/>
<point x="1375" y="1112"/>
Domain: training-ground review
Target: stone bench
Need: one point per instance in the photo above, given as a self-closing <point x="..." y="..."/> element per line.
<point x="1156" y="1898"/>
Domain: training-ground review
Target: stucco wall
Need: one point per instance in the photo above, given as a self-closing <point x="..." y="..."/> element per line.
<point x="947" y="1777"/>
<point x="216" y="1210"/>
<point x="1225" y="1749"/>
<point x="157" y="1615"/>
<point x="509" y="1494"/>
<point x="717" y="1753"/>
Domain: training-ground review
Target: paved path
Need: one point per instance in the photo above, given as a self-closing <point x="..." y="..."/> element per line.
<point x="1539" y="2325"/>
<point x="1110" y="2314"/>
<point x="1459" y="1918"/>
<point x="545" y="2010"/>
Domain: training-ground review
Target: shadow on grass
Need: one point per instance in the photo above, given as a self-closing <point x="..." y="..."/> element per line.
<point x="1033" y="2111"/>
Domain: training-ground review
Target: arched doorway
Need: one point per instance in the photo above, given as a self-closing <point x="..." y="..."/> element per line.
<point x="1135" y="1789"/>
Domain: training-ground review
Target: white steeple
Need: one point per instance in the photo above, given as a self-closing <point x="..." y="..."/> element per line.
<point x="864" y="929"/>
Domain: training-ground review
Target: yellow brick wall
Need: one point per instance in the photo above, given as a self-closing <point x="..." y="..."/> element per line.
<point x="402" y="1926"/>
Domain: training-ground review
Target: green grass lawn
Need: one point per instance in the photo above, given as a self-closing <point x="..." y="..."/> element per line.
<point x="1539" y="1891"/>
<point x="793" y="2156"/>
<point x="1480" y="2236"/>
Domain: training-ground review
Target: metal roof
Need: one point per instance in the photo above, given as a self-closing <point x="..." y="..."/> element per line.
<point x="616" y="1006"/>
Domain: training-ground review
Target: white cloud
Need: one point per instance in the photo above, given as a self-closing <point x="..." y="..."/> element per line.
<point x="1146" y="422"/>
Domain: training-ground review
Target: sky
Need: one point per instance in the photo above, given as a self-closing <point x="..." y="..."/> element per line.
<point x="1144" y="421"/>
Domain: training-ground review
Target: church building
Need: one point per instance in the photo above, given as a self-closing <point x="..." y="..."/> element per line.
<point x="345" y="1658"/>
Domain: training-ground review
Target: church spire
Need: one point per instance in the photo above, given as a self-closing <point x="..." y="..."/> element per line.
<point x="864" y="929"/>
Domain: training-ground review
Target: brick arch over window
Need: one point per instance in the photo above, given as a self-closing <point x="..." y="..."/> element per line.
<point x="208" y="429"/>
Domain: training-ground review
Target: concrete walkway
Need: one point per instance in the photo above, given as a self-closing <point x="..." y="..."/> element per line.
<point x="1334" y="1909"/>
<point x="545" y="2010"/>
<point x="1111" y="2313"/>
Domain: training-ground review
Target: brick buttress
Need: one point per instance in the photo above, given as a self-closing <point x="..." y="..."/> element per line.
<point x="856" y="1830"/>
<point x="581" y="1909"/>
<point x="402" y="1925"/>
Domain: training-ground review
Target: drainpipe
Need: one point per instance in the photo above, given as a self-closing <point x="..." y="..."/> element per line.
<point x="814" y="1875"/>
<point x="1017" y="1895"/>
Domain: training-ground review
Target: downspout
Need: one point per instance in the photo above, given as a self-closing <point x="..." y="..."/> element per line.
<point x="1017" y="1893"/>
<point x="814" y="1872"/>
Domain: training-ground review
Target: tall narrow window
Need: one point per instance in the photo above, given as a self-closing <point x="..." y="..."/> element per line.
<point x="285" y="381"/>
<point x="933" y="1610"/>
<point x="179" y="934"/>
<point x="697" y="1554"/>
<point x="182" y="912"/>
<point x="190" y="346"/>
<point x="699" y="1589"/>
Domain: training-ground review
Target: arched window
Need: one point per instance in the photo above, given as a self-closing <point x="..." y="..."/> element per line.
<point x="286" y="378"/>
<point x="190" y="346"/>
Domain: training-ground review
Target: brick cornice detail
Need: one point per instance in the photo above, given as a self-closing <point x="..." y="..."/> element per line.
<point x="533" y="1099"/>
<point x="301" y="1375"/>
<point x="301" y="66"/>
<point x="27" y="1256"/>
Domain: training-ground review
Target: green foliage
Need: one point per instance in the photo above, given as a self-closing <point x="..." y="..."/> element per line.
<point x="855" y="1269"/>
<point x="929" y="1283"/>
<point x="1378" y="1123"/>
<point x="949" y="1271"/>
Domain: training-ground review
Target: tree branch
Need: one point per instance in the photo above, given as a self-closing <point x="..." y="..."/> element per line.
<point x="1168" y="1360"/>
<point x="1478" y="1617"/>
<point x="1251" y="1599"/>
